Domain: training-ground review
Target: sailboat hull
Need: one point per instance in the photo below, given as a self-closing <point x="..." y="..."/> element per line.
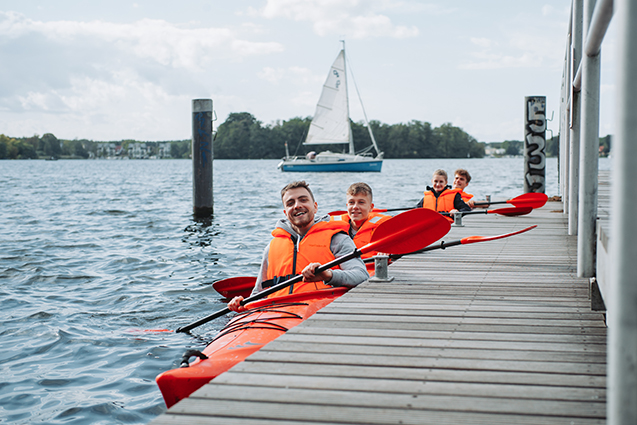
<point x="308" y="166"/>
<point x="330" y="162"/>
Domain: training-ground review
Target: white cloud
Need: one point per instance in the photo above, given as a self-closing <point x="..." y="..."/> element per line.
<point x="481" y="42"/>
<point x="158" y="40"/>
<point x="352" y="18"/>
<point x="293" y="75"/>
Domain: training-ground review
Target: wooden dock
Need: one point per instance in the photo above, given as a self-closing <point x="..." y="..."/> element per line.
<point x="497" y="332"/>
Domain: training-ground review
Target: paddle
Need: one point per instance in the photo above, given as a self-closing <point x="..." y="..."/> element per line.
<point x="374" y="210"/>
<point x="234" y="286"/>
<point x="463" y="241"/>
<point x="533" y="200"/>
<point x="406" y="232"/>
<point x="514" y="211"/>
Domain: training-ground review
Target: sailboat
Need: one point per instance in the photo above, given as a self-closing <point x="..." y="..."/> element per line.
<point x="331" y="125"/>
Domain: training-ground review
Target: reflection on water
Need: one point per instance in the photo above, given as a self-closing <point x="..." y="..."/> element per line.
<point x="98" y="258"/>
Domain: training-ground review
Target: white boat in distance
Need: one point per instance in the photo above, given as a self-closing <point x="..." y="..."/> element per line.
<point x="331" y="125"/>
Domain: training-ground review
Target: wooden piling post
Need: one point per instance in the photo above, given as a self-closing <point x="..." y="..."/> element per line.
<point x="534" y="144"/>
<point x="202" y="156"/>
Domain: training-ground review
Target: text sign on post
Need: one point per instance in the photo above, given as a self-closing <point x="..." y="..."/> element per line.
<point x="534" y="144"/>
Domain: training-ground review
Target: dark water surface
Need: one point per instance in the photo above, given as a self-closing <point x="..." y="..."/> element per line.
<point x="94" y="253"/>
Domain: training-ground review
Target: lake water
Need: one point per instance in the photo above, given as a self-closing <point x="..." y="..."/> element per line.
<point x="94" y="253"/>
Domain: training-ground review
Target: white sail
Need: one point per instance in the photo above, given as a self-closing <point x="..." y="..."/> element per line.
<point x="330" y="124"/>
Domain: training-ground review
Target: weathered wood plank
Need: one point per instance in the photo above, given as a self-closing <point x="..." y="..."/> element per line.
<point x="404" y="386"/>
<point x="475" y="353"/>
<point x="289" y="367"/>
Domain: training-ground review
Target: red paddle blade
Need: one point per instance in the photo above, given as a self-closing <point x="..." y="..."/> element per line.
<point x="474" y="239"/>
<point x="532" y="200"/>
<point x="337" y="213"/>
<point x="235" y="286"/>
<point x="511" y="211"/>
<point x="408" y="232"/>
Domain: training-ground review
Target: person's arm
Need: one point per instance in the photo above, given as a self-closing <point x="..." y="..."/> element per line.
<point x="352" y="272"/>
<point x="459" y="204"/>
<point x="235" y="303"/>
<point x="420" y="203"/>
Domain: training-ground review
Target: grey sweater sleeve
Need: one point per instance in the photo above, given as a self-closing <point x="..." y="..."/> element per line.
<point x="352" y="272"/>
<point x="262" y="271"/>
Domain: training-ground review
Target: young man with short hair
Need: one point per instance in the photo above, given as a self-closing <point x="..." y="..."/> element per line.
<point x="460" y="182"/>
<point x="362" y="221"/>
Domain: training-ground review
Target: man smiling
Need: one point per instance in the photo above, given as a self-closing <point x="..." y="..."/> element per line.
<point x="300" y="244"/>
<point x="461" y="180"/>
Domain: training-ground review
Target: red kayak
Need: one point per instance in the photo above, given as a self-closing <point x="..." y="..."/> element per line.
<point x="247" y="333"/>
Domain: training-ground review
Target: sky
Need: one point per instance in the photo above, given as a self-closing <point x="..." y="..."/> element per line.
<point x="116" y="69"/>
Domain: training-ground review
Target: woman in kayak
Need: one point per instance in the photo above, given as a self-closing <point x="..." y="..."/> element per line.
<point x="300" y="244"/>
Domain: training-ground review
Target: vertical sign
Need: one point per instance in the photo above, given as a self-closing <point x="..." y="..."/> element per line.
<point x="202" y="157"/>
<point x="534" y="144"/>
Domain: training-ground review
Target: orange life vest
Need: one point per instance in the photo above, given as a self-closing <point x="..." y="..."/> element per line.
<point x="444" y="201"/>
<point x="364" y="235"/>
<point x="465" y="196"/>
<point x="285" y="262"/>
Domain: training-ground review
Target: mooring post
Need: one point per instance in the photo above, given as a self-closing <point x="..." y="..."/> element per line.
<point x="202" y="156"/>
<point x="457" y="219"/>
<point x="534" y="144"/>
<point x="381" y="262"/>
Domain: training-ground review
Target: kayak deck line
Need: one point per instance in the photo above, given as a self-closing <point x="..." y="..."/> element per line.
<point x="496" y="332"/>
<point x="249" y="323"/>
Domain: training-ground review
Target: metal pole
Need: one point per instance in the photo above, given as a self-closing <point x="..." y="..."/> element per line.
<point x="589" y="156"/>
<point x="574" y="136"/>
<point x="202" y="157"/>
<point x="564" y="128"/>
<point x="565" y="124"/>
<point x="535" y="144"/>
<point x="622" y="311"/>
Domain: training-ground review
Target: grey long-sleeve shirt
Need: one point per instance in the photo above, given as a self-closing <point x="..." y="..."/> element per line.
<point x="351" y="273"/>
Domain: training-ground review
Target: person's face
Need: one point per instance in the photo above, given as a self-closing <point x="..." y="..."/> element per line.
<point x="299" y="207"/>
<point x="459" y="182"/>
<point x="438" y="182"/>
<point x="359" y="207"/>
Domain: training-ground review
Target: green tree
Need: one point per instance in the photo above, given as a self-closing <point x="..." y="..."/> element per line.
<point x="512" y="147"/>
<point x="292" y="132"/>
<point x="50" y="145"/>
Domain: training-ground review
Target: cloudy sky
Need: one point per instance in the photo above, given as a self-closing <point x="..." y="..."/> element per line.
<point x="117" y="69"/>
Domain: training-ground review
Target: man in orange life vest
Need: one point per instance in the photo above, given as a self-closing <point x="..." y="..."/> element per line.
<point x="300" y="244"/>
<point x="362" y="221"/>
<point x="441" y="197"/>
<point x="461" y="180"/>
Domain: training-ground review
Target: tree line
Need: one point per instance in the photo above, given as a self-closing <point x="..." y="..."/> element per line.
<point x="242" y="136"/>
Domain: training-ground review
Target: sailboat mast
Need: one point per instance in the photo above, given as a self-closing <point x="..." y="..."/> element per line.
<point x="352" y="151"/>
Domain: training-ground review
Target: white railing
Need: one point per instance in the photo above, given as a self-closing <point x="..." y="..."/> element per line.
<point x="579" y="143"/>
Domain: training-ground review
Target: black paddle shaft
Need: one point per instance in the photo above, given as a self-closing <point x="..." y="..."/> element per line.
<point x="271" y="290"/>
